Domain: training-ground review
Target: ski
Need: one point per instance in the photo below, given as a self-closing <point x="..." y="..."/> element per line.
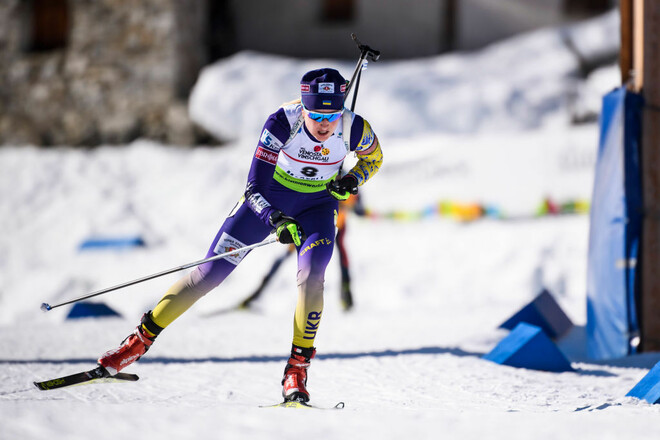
<point x="97" y="375"/>
<point x="302" y="405"/>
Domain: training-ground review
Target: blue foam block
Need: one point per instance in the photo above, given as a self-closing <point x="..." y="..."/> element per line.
<point x="90" y="310"/>
<point x="112" y="242"/>
<point x="542" y="312"/>
<point x="649" y="387"/>
<point x="527" y="346"/>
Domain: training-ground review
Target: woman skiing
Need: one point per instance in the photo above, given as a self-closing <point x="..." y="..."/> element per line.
<point x="293" y="189"/>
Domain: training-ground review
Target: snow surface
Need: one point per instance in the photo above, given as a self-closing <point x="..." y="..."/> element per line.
<point x="430" y="294"/>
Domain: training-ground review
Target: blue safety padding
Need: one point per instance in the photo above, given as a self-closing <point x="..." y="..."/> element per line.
<point x="90" y="310"/>
<point x="112" y="243"/>
<point x="615" y="228"/>
<point x="528" y="347"/>
<point x="543" y="312"/>
<point x="649" y="387"/>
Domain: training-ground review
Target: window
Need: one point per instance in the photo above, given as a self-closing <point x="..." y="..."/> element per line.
<point x="587" y="7"/>
<point x="49" y="24"/>
<point x="337" y="11"/>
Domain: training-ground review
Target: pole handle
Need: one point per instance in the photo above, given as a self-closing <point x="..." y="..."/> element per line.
<point x="365" y="52"/>
<point x="372" y="54"/>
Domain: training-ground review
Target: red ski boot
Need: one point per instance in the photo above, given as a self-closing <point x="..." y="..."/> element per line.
<point x="132" y="348"/>
<point x="295" y="374"/>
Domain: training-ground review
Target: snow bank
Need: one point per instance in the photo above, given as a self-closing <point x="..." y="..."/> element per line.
<point x="522" y="83"/>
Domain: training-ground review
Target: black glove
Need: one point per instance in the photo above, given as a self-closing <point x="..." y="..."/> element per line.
<point x="343" y="188"/>
<point x="288" y="230"/>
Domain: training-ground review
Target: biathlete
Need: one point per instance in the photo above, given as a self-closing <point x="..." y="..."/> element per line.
<point x="293" y="188"/>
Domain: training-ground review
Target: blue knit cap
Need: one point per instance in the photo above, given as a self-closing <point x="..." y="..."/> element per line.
<point x="323" y="89"/>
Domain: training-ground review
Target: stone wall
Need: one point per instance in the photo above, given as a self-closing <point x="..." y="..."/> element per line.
<point x="123" y="74"/>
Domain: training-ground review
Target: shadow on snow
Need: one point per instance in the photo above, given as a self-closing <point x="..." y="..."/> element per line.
<point x="257" y="359"/>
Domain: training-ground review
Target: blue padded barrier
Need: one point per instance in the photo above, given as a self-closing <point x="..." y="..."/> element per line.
<point x="112" y="243"/>
<point x="615" y="230"/>
<point x="528" y="347"/>
<point x="542" y="312"/>
<point x="90" y="310"/>
<point x="649" y="387"/>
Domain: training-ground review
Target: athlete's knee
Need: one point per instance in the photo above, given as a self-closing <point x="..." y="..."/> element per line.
<point x="209" y="275"/>
<point x="311" y="279"/>
<point x="312" y="272"/>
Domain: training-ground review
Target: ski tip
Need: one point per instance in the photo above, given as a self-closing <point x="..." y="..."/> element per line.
<point x="45" y="307"/>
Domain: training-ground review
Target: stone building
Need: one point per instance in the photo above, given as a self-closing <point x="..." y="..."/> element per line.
<point x="91" y="72"/>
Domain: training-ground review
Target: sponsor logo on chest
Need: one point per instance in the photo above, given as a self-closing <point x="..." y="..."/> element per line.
<point x="318" y="153"/>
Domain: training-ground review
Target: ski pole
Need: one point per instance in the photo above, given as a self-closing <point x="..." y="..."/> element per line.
<point x="365" y="52"/>
<point x="47" y="307"/>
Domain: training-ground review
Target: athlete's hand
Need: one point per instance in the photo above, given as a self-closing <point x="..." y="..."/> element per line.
<point x="288" y="230"/>
<point x="343" y="188"/>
